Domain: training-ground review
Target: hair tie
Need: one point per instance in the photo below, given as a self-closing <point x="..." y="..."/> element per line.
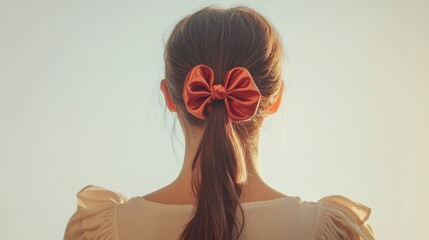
<point x="239" y="92"/>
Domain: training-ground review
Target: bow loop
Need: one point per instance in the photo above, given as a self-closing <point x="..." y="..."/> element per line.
<point x="239" y="93"/>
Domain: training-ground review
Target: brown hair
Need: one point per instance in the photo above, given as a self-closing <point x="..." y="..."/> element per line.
<point x="223" y="39"/>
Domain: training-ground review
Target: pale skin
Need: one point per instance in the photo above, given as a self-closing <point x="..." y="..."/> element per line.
<point x="179" y="191"/>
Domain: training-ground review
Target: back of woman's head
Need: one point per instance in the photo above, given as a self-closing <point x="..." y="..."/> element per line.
<point x="223" y="39"/>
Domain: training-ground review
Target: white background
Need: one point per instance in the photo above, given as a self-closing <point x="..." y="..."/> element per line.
<point x="80" y="104"/>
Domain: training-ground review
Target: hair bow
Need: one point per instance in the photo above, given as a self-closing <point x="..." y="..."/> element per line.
<point x="239" y="92"/>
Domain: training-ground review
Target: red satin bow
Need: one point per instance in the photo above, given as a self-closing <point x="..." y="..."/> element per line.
<point x="239" y="92"/>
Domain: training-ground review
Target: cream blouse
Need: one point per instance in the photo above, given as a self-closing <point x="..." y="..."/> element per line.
<point x="104" y="214"/>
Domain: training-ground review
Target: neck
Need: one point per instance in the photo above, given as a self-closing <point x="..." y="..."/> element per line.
<point x="184" y="180"/>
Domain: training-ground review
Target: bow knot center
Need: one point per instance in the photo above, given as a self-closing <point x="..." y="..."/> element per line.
<point x="218" y="92"/>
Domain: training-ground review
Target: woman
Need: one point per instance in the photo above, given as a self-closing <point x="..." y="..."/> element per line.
<point x="222" y="77"/>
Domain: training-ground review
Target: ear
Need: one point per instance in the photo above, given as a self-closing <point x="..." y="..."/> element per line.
<point x="170" y="104"/>
<point x="275" y="106"/>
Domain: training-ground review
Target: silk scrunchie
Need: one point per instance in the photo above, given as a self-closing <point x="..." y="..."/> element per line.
<point x="239" y="92"/>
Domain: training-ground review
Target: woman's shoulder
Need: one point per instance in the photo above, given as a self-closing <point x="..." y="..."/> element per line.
<point x="95" y="214"/>
<point x="331" y="217"/>
<point x="338" y="217"/>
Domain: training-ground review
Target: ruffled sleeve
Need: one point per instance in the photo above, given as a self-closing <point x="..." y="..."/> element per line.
<point x="340" y="218"/>
<point x="95" y="217"/>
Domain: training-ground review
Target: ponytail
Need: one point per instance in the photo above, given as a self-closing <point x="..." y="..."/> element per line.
<point x="221" y="172"/>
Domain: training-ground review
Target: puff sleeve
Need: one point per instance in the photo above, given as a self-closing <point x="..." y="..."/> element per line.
<point x="341" y="218"/>
<point x="95" y="217"/>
